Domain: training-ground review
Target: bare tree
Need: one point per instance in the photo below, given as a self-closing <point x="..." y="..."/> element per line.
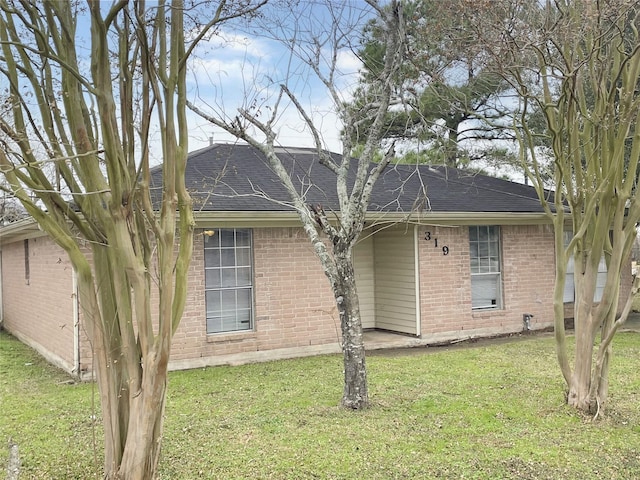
<point x="92" y="118"/>
<point x="586" y="58"/>
<point x="10" y="209"/>
<point x="354" y="178"/>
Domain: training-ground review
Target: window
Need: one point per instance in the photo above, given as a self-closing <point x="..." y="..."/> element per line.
<point x="27" y="274"/>
<point x="228" y="280"/>
<point x="484" y="245"/>
<point x="569" y="283"/>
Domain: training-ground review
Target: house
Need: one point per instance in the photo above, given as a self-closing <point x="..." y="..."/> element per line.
<point x="446" y="254"/>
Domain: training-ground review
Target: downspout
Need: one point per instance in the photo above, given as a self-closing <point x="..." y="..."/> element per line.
<point x="416" y="268"/>
<point x="76" y="323"/>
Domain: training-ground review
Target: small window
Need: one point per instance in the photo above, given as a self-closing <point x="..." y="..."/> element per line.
<point x="27" y="274"/>
<point x="486" y="280"/>
<point x="228" y="280"/>
<point x="569" y="294"/>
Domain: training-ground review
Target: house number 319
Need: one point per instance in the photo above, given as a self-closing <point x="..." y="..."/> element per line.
<point x="428" y="237"/>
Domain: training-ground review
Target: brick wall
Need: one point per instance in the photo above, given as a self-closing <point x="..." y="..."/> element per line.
<point x="445" y="290"/>
<point x="294" y="306"/>
<point x="528" y="272"/>
<point x="293" y="301"/>
<point x="40" y="311"/>
<point x="445" y="297"/>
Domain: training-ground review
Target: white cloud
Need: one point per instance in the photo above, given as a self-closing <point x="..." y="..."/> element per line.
<point x="231" y="70"/>
<point x="290" y="126"/>
<point x="216" y="70"/>
<point x="228" y="57"/>
<point x="348" y="62"/>
<point x="238" y="44"/>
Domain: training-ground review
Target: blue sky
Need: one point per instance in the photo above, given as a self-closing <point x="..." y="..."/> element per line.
<point x="245" y="62"/>
<point x="244" y="65"/>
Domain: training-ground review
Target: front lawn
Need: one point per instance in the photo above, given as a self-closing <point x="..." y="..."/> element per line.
<point x="486" y="411"/>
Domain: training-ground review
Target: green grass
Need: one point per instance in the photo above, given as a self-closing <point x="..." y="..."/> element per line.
<point x="490" y="411"/>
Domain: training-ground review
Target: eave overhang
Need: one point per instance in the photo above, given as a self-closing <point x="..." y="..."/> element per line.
<point x="28" y="228"/>
<point x="291" y="219"/>
<point x="20" y="230"/>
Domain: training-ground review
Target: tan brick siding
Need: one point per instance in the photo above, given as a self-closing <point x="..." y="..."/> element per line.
<point x="40" y="312"/>
<point x="293" y="301"/>
<point x="293" y="304"/>
<point x="445" y="290"/>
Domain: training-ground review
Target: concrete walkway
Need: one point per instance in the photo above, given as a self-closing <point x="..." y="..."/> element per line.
<point x="382" y="341"/>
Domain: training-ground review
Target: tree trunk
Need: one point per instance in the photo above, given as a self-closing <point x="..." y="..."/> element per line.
<point x="142" y="448"/>
<point x="132" y="410"/>
<point x="600" y="378"/>
<point x="586" y="327"/>
<point x="580" y="386"/>
<point x="585" y="332"/>
<point x="451" y="145"/>
<point x="355" y="393"/>
<point x="130" y="365"/>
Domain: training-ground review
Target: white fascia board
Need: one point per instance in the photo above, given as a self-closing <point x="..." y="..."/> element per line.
<point x="459" y="218"/>
<point x="291" y="219"/>
<point x="20" y="230"/>
<point x="28" y="227"/>
<point x="246" y="219"/>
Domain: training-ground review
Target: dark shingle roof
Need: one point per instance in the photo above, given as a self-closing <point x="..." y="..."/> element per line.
<point x="228" y="177"/>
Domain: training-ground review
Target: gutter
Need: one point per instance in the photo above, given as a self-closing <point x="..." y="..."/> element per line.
<point x="28" y="228"/>
<point x="20" y="230"/>
<point x="257" y="218"/>
<point x="455" y="219"/>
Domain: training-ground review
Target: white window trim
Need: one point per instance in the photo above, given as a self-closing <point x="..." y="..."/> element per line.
<point x="250" y="286"/>
<point x="498" y="275"/>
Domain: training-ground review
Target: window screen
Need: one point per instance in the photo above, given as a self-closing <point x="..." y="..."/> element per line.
<point x="228" y="280"/>
<point x="484" y="249"/>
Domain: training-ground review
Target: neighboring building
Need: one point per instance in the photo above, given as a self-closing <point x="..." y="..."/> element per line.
<point x="446" y="255"/>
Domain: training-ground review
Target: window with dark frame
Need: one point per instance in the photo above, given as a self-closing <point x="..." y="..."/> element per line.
<point x="27" y="274"/>
<point x="228" y="280"/>
<point x="486" y="280"/>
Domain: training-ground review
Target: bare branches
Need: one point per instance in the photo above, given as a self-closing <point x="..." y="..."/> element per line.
<point x="77" y="128"/>
<point x="585" y="60"/>
<point x="319" y="52"/>
<point x="323" y="156"/>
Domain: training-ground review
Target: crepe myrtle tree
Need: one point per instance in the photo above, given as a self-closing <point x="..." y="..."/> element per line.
<point x="87" y="103"/>
<point x="585" y="57"/>
<point x="342" y="228"/>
